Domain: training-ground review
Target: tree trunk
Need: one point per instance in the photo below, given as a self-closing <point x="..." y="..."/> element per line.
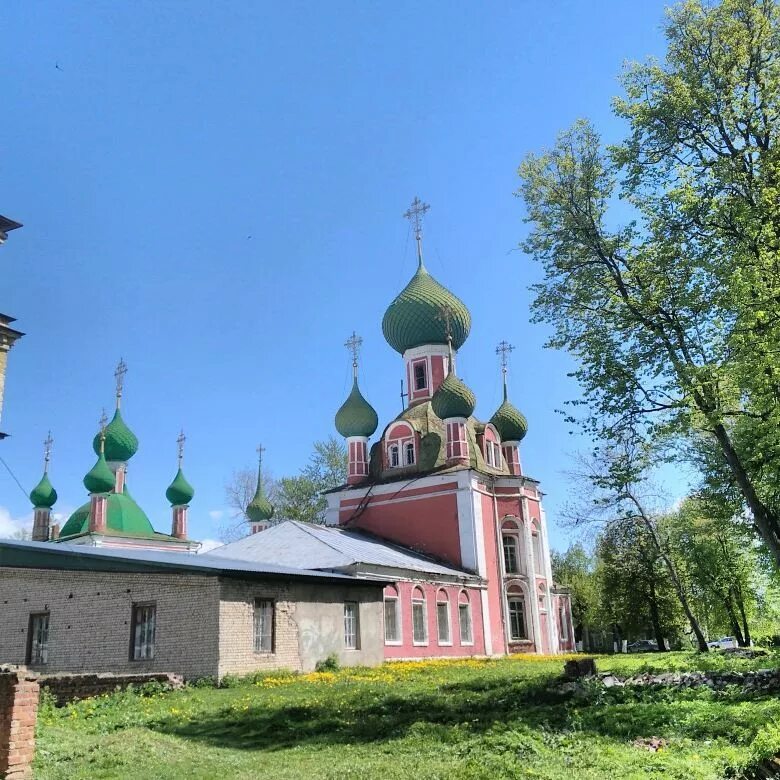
<point x="655" y="618"/>
<point x="735" y="628"/>
<point x="741" y="606"/>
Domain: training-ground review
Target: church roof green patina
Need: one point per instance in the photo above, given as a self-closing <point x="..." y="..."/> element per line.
<point x="100" y="478"/>
<point x="453" y="399"/>
<point x="509" y="421"/>
<point x="123" y="516"/>
<point x="356" y="417"/>
<point x="415" y="317"/>
<point x="43" y="495"/>
<point x="121" y="443"/>
<point x="179" y="492"/>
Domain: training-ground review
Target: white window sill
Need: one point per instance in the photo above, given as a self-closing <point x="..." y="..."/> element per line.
<point x="420" y="644"/>
<point x="467" y="644"/>
<point x="394" y="643"/>
<point x="445" y="644"/>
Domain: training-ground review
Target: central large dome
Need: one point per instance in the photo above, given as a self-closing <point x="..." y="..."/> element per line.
<point x="415" y="317"/>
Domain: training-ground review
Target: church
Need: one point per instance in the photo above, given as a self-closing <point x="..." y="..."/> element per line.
<point x="435" y="547"/>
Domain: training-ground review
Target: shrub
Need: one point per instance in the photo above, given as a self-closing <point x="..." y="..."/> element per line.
<point x="329" y="664"/>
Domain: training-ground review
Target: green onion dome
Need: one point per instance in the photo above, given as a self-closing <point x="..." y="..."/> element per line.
<point x="179" y="492"/>
<point x="509" y="421"/>
<point x="100" y="478"/>
<point x="415" y="317"/>
<point x="260" y="508"/>
<point x="43" y="495"/>
<point x="453" y="399"/>
<point x="123" y="516"/>
<point x="121" y="442"/>
<point x="356" y="417"/>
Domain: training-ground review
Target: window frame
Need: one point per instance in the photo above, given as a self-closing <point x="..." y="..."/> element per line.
<point x="409" y="448"/>
<point x="519" y="598"/>
<point x="514" y="539"/>
<point x="37" y="652"/>
<point x="422" y="365"/>
<point x="396" y="602"/>
<point x="564" y="623"/>
<point x="150" y="646"/>
<point x="352" y="631"/>
<point x="262" y="602"/>
<point x="419" y="604"/>
<point x="465" y="607"/>
<point x="443" y="601"/>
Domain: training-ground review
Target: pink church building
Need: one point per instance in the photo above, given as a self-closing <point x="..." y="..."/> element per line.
<point x="448" y="486"/>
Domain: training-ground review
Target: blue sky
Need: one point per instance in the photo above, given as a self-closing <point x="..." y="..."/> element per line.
<point x="214" y="192"/>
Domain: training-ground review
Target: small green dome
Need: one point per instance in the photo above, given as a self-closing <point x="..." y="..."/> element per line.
<point x="453" y="399"/>
<point x="121" y="442"/>
<point x="509" y="422"/>
<point x="123" y="516"/>
<point x="43" y="495"/>
<point x="100" y="478"/>
<point x="415" y="317"/>
<point x="260" y="508"/>
<point x="180" y="491"/>
<point x="356" y="417"/>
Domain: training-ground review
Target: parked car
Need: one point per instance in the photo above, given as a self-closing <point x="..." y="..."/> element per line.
<point x="724" y="643"/>
<point x="643" y="646"/>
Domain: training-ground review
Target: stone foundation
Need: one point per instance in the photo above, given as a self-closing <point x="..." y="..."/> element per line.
<point x="70" y="687"/>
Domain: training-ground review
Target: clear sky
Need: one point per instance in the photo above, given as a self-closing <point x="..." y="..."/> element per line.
<point x="214" y="191"/>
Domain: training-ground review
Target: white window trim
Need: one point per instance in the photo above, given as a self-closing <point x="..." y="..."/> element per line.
<point x="467" y="604"/>
<point x="518" y="552"/>
<point x="447" y="643"/>
<point x="356" y="645"/>
<point x="399" y="621"/>
<point x="261" y="652"/>
<point x="520" y="597"/>
<point x="425" y="363"/>
<point x="422" y="602"/>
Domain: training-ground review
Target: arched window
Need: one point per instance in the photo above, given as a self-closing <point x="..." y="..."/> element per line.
<point x="400" y="446"/>
<point x="542" y="597"/>
<point x="443" y="617"/>
<point x="517" y="613"/>
<point x="536" y="546"/>
<point x="464" y="618"/>
<point x="392" y="606"/>
<point x="492" y="447"/>
<point x="419" y="618"/>
<point x="512" y="547"/>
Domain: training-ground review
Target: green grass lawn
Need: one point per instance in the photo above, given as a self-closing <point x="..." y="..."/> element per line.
<point x="459" y="719"/>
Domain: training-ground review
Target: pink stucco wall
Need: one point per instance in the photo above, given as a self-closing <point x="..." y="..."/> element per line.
<point x="407" y="648"/>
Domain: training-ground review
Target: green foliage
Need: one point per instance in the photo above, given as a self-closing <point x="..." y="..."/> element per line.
<point x="329" y="664"/>
<point x="671" y="317"/>
<point x="575" y="570"/>
<point x="471" y="719"/>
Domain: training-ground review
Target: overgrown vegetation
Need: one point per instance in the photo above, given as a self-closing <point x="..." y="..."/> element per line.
<point x="469" y="719"/>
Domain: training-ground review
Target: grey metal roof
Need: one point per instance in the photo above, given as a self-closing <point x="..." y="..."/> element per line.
<point x="326" y="547"/>
<point x="75" y="556"/>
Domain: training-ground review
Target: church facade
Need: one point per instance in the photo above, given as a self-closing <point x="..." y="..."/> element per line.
<point x="442" y="482"/>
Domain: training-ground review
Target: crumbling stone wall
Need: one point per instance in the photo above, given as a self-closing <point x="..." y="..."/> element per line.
<point x="19" y="694"/>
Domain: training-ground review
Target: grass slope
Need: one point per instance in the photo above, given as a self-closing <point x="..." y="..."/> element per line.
<point x="454" y="719"/>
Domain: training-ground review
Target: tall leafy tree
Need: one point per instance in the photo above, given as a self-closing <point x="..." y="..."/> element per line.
<point x="575" y="570"/>
<point x="673" y="315"/>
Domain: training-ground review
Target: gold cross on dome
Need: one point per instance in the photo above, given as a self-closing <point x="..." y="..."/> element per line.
<point x="503" y="351"/>
<point x="353" y="345"/>
<point x="47" y="445"/>
<point x="180" y="443"/>
<point x="415" y="214"/>
<point x="260" y="451"/>
<point x="119" y="375"/>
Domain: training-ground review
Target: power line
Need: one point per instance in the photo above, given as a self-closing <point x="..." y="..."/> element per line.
<point x="13" y="476"/>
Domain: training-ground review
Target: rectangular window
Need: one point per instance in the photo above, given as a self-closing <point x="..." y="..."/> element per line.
<point x="420" y="379"/>
<point x="394" y="459"/>
<point x="264" y="626"/>
<point x="409" y="454"/>
<point x="564" y="624"/>
<point x="392" y="627"/>
<point x="443" y="622"/>
<point x="144" y="625"/>
<point x="510" y="553"/>
<point x="351" y="625"/>
<point x="38" y="639"/>
<point x="537" y="546"/>
<point x="419" y="624"/>
<point x="517" y="619"/>
<point x="464" y="613"/>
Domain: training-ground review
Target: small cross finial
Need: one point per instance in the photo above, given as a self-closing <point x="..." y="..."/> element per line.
<point x="260" y="451"/>
<point x="353" y="345"/>
<point x="180" y="444"/>
<point x="503" y="350"/>
<point x="415" y="214"/>
<point x="119" y="375"/>
<point x="47" y="445"/>
<point x="103" y="422"/>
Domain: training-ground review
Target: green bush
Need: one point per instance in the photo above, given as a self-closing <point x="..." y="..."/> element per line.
<point x="329" y="664"/>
